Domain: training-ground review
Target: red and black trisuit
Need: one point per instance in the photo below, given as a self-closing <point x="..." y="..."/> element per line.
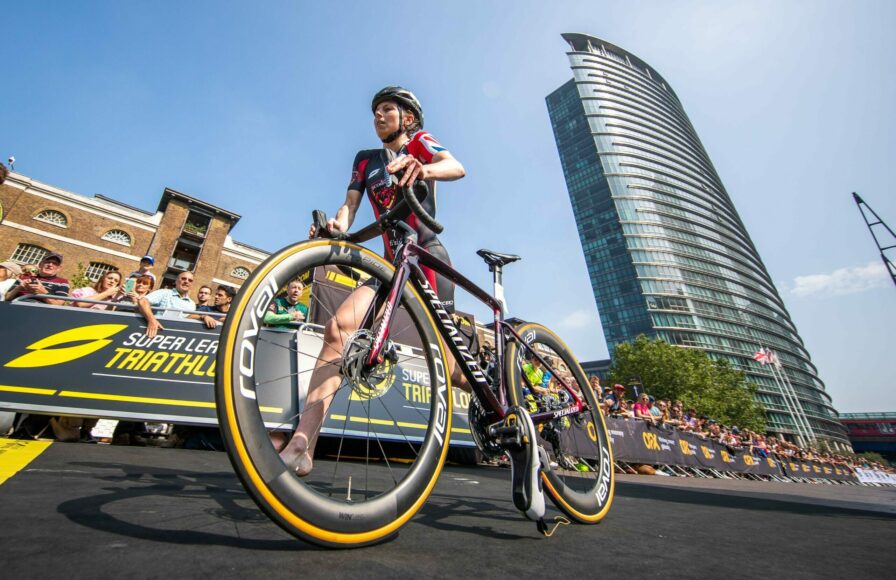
<point x="369" y="173"/>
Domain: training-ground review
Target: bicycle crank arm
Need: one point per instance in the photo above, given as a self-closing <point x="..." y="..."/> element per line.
<point x="526" y="458"/>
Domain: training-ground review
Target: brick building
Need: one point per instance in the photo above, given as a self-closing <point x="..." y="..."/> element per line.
<point x="100" y="233"/>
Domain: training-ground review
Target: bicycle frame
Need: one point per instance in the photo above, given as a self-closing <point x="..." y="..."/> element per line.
<point x="409" y="259"/>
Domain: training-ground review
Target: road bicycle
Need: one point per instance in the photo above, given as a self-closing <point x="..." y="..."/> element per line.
<point x="374" y="468"/>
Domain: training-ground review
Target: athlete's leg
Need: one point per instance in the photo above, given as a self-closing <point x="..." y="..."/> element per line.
<point x="325" y="379"/>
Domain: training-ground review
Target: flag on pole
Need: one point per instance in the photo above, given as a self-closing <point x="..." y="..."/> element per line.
<point x="763" y="357"/>
<point x="773" y="359"/>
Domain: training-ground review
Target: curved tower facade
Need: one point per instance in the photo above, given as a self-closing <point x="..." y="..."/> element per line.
<point x="667" y="254"/>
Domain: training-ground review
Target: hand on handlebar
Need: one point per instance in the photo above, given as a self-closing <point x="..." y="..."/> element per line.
<point x="412" y="168"/>
<point x="333" y="227"/>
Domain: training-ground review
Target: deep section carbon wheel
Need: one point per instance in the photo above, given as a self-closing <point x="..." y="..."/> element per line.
<point x="372" y="469"/>
<point x="579" y="478"/>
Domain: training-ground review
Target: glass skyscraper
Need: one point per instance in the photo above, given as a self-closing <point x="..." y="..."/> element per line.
<point x="667" y="254"/>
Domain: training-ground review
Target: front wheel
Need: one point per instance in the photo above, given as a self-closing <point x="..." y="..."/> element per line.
<point x="579" y="478"/>
<point x="382" y="442"/>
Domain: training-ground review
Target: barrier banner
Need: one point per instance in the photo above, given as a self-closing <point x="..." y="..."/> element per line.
<point x="85" y="362"/>
<point x="640" y="442"/>
<point x="836" y="472"/>
<point x="760" y="465"/>
<point x="702" y="453"/>
<point x="875" y="476"/>
<point x="637" y="442"/>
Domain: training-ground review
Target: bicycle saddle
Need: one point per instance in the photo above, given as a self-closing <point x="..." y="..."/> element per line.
<point x="495" y="259"/>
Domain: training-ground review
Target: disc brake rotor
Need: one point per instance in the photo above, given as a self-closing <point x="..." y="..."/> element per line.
<point x="367" y="382"/>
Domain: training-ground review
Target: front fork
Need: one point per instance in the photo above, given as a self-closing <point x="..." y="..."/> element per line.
<point x="405" y="261"/>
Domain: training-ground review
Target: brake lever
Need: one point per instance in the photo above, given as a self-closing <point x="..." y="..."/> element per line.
<point x="319" y="219"/>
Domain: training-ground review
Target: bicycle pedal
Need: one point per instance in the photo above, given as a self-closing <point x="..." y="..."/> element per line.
<point x="506" y="435"/>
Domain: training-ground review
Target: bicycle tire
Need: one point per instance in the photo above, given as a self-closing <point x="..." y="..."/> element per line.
<point x="303" y="507"/>
<point x="583" y="497"/>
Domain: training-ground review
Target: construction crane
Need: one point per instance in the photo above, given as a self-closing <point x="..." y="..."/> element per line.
<point x="888" y="236"/>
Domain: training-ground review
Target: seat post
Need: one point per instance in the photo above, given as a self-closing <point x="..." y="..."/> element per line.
<point x="498" y="276"/>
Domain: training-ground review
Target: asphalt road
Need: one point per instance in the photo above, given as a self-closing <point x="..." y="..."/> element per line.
<point x="90" y="511"/>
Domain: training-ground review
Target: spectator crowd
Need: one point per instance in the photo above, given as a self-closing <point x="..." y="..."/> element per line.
<point x="674" y="415"/>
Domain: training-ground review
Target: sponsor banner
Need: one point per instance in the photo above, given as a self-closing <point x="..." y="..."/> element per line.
<point x="816" y="470"/>
<point x="640" y="442"/>
<point x="875" y="476"/>
<point x="64" y="360"/>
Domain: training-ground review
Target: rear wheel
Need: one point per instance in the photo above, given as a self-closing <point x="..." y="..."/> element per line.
<point x="579" y="479"/>
<point x="383" y="441"/>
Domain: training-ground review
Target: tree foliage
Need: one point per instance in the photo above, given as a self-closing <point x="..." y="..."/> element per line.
<point x="80" y="279"/>
<point x="872" y="456"/>
<point x="711" y="386"/>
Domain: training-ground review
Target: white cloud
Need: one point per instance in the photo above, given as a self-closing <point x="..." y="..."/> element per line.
<point x="842" y="281"/>
<point x="578" y="319"/>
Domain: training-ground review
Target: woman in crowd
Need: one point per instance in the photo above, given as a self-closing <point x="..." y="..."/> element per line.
<point x="9" y="271"/>
<point x="142" y="286"/>
<point x="676" y="415"/>
<point x="641" y="410"/>
<point x="106" y="289"/>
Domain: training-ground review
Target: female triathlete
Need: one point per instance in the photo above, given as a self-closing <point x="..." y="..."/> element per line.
<point x="398" y="121"/>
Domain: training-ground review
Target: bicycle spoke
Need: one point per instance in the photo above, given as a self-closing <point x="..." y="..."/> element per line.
<point x="398" y="426"/>
<point x="341" y="442"/>
<point x="367" y="453"/>
<point x="302" y="412"/>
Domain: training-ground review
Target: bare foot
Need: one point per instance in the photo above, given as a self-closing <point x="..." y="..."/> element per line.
<point x="296" y="456"/>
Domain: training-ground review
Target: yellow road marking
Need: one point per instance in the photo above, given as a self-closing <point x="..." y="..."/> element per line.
<point x="15" y="455"/>
<point x="28" y="390"/>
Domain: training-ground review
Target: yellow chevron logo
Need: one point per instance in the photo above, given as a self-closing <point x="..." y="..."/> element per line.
<point x="361" y="392"/>
<point x="46" y="355"/>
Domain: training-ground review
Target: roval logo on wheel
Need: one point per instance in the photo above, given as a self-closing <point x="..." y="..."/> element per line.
<point x="247" y="344"/>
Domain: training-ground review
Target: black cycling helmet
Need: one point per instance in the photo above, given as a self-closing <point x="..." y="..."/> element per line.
<point x="405" y="100"/>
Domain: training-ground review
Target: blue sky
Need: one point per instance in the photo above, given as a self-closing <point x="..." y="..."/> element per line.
<point x="260" y="107"/>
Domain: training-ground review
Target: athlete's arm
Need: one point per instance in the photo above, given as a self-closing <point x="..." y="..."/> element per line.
<point x="444" y="167"/>
<point x="345" y="215"/>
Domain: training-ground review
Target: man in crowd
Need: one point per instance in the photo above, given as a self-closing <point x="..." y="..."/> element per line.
<point x="714" y="429"/>
<point x="689" y="423"/>
<point x="204" y="298"/>
<point x="613" y="399"/>
<point x="46" y="282"/>
<point x="223" y="297"/>
<point x="146" y="264"/>
<point x="656" y="410"/>
<point x="287" y="308"/>
<point x="176" y="298"/>
<point x="9" y="272"/>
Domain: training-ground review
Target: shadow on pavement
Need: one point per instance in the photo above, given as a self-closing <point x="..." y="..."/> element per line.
<point x="153" y="512"/>
<point x="738" y="501"/>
